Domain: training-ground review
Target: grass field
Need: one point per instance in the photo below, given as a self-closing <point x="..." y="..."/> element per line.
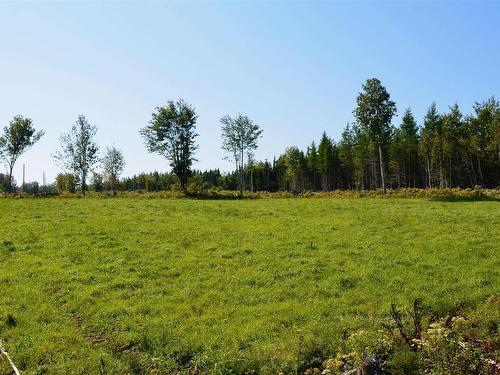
<point x="130" y="285"/>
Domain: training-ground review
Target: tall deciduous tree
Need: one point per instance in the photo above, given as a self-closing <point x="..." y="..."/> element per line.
<point x="172" y="133"/>
<point x="79" y="151"/>
<point x="239" y="139"/>
<point x="374" y="113"/>
<point x="294" y="162"/>
<point x="18" y="137"/>
<point x="113" y="165"/>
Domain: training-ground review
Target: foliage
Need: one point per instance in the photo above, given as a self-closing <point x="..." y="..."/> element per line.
<point x="149" y="182"/>
<point x="113" y="165"/>
<point x="450" y="151"/>
<point x="374" y="112"/>
<point x="239" y="139"/>
<point x="463" y="341"/>
<point x="18" y="137"/>
<point x="171" y="133"/>
<point x="325" y="161"/>
<point x="31" y="188"/>
<point x="79" y="152"/>
<point x="294" y="162"/>
<point x="66" y="182"/>
<point x="4" y="183"/>
<point x="97" y="182"/>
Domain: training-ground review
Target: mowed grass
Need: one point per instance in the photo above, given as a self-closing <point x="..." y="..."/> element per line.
<point x="130" y="285"/>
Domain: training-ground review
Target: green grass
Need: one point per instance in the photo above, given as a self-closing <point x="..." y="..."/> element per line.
<point x="130" y="285"/>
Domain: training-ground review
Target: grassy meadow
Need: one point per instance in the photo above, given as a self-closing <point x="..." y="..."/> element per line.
<point x="131" y="285"/>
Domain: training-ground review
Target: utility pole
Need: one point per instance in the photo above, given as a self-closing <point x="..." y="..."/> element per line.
<point x="44" y="184"/>
<point x="24" y="174"/>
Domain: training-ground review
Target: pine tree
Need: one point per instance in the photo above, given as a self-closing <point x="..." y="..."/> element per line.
<point x="312" y="165"/>
<point x="325" y="159"/>
<point x="409" y="142"/>
<point x="345" y="151"/>
<point x="453" y="154"/>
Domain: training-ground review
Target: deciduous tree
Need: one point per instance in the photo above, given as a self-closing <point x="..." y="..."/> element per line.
<point x="374" y="113"/>
<point x="16" y="138"/>
<point x="239" y="139"/>
<point x="113" y="164"/>
<point x="172" y="133"/>
<point x="79" y="151"/>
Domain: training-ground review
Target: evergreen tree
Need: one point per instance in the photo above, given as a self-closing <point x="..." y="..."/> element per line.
<point x="453" y="154"/>
<point x="312" y="165"/>
<point x="362" y="152"/>
<point x="345" y="150"/>
<point x="428" y="135"/>
<point x="409" y="143"/>
<point x="325" y="159"/>
<point x="485" y="131"/>
<point x="397" y="171"/>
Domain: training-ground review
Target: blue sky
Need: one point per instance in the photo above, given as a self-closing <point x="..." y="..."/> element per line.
<point x="293" y="67"/>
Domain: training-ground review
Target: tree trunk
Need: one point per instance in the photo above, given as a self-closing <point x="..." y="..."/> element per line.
<point x="474" y="174"/>
<point x="429" y="174"/>
<point x="480" y="170"/>
<point x="241" y="181"/>
<point x="450" y="167"/>
<point x="381" y="167"/>
<point x="84" y="182"/>
<point x="242" y="163"/>
<point x="11" y="169"/>
<point x="469" y="172"/>
<point x="441" y="182"/>
<point x="251" y="180"/>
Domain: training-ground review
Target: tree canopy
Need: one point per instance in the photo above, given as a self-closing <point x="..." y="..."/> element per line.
<point x="239" y="139"/>
<point x="16" y="138"/>
<point x="171" y="133"/>
<point x="79" y="152"/>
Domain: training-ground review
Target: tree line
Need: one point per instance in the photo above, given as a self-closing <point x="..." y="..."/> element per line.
<point x="448" y="150"/>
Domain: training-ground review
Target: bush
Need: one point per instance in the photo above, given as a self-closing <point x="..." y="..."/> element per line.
<point x="30" y="188"/>
<point x="465" y="343"/>
<point x="66" y="182"/>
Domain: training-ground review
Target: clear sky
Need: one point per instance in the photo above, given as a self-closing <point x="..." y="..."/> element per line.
<point x="295" y="68"/>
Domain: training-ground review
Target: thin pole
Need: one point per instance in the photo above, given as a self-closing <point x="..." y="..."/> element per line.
<point x="11" y="363"/>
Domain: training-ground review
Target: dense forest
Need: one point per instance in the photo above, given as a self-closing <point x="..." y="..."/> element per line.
<point x="445" y="150"/>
